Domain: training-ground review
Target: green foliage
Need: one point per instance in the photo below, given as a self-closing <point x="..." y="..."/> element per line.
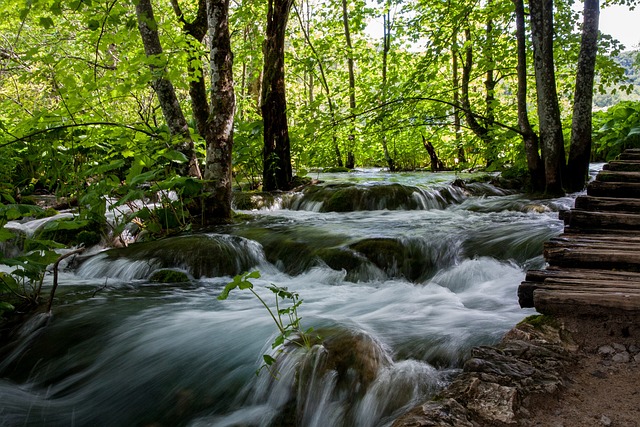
<point x="615" y="130"/>
<point x="286" y="318"/>
<point x="23" y="284"/>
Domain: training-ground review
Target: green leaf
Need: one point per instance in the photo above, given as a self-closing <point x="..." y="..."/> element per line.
<point x="143" y="177"/>
<point x="93" y="24"/>
<point x="5" y="306"/>
<point x="7" y="282"/>
<point x="6" y="234"/>
<point x="46" y="22"/>
<point x="268" y="360"/>
<point x="175" y="156"/>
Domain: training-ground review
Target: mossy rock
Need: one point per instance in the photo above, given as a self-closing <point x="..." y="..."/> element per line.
<point x="336" y="169"/>
<point x="539" y="321"/>
<point x="199" y="255"/>
<point x="252" y="200"/>
<point x="167" y="275"/>
<point x="349" y="198"/>
<point x="398" y="258"/>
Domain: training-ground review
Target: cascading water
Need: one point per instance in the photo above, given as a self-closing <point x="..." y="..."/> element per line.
<point x="398" y="293"/>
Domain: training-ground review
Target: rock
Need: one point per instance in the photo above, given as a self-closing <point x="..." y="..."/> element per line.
<point x="619" y="347"/>
<point x="499" y="382"/>
<point x="605" y="421"/>
<point x="623" y="357"/>
<point x="606" y="349"/>
<point x="167" y="275"/>
<point x="634" y="349"/>
<point x="636" y="358"/>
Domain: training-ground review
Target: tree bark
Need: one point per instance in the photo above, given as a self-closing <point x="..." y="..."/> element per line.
<point x="386" y="41"/>
<point x="529" y="137"/>
<point x="277" y="171"/>
<point x="214" y="119"/>
<point x="551" y="137"/>
<point x="163" y="87"/>
<point x="455" y="80"/>
<point x="436" y="163"/>
<point x="350" y="163"/>
<point x="476" y="127"/>
<point x="219" y="135"/>
<point x="580" y="151"/>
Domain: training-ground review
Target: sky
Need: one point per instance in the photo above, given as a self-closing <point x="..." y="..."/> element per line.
<point x="622" y="24"/>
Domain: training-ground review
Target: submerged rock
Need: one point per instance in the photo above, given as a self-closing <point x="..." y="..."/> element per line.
<point x="167" y="275"/>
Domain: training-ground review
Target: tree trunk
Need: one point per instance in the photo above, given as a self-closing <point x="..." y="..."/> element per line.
<point x="553" y="155"/>
<point x="325" y="87"/>
<point x="580" y="152"/>
<point x="214" y="119"/>
<point x="351" y="160"/>
<point x="386" y="41"/>
<point x="163" y="87"/>
<point x="436" y="163"/>
<point x="277" y="172"/>
<point x="478" y="129"/>
<point x="455" y="80"/>
<point x="219" y="136"/>
<point x="529" y="137"/>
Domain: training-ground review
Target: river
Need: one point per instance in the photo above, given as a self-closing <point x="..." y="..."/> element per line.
<point x="400" y="283"/>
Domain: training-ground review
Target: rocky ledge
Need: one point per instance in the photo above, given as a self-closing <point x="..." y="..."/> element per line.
<point x="499" y="383"/>
<point x="548" y="371"/>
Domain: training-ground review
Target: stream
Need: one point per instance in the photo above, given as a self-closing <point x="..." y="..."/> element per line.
<point x="400" y="276"/>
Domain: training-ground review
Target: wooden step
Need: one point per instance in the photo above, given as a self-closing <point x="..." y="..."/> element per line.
<point x="527" y="288"/>
<point x="586" y="302"/>
<point x="630" y="155"/>
<point x="626" y="190"/>
<point x="580" y="273"/>
<point x="615" y="176"/>
<point x="622" y="165"/>
<point x="585" y="219"/>
<point x="594" y="257"/>
<point x="607" y="204"/>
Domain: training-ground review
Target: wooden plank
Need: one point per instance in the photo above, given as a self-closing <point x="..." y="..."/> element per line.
<point x="593" y="258"/>
<point x="627" y="190"/>
<point x="607" y="204"/>
<point x="588" y="302"/>
<point x="630" y="155"/>
<point x="623" y="165"/>
<point x="591" y="244"/>
<point x="615" y="176"/>
<point x="602" y="231"/>
<point x="527" y="288"/>
<point x="586" y="219"/>
<point x="594" y="237"/>
<point x="580" y="273"/>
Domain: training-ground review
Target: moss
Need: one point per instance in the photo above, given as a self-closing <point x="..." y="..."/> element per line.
<point x="538" y="321"/>
<point x="168" y="276"/>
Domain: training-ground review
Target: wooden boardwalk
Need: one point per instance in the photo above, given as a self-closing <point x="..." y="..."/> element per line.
<point x="594" y="266"/>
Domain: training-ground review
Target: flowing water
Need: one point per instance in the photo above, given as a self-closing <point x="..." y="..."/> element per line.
<point x="401" y="275"/>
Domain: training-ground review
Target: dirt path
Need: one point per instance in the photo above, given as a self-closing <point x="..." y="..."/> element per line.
<point x="603" y="387"/>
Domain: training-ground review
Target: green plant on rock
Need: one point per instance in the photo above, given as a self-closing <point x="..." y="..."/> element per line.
<point x="286" y="318"/>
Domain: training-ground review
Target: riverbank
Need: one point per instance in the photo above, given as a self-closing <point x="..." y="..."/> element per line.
<point x="563" y="371"/>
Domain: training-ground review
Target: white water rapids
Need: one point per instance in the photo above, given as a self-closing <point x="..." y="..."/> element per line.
<point x="121" y="351"/>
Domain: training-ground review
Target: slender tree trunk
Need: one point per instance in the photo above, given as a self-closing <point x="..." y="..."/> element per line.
<point x="163" y="87"/>
<point x="455" y="80"/>
<point x="580" y="152"/>
<point x="476" y="127"/>
<point x="325" y="87"/>
<point x="386" y="42"/>
<point x="219" y="139"/>
<point x="214" y="119"/>
<point x="551" y="137"/>
<point x="352" y="88"/>
<point x="277" y="171"/>
<point x="529" y="137"/>
<point x="436" y="163"/>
